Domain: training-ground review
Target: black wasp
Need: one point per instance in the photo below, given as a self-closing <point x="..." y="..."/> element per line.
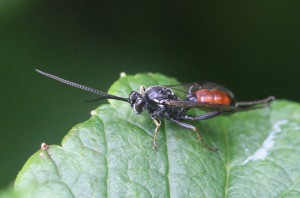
<point x="163" y="102"/>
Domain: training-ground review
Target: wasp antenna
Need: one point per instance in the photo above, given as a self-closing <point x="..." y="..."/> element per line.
<point x="94" y="100"/>
<point x="79" y="86"/>
<point x="271" y="98"/>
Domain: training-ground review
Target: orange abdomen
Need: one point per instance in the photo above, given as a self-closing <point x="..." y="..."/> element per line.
<point x="213" y="96"/>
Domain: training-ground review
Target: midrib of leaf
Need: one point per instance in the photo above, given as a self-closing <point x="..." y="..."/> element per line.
<point x="168" y="163"/>
<point x="107" y="163"/>
<point x="227" y="164"/>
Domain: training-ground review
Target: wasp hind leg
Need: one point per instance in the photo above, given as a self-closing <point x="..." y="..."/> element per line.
<point x="258" y="104"/>
<point x="193" y="128"/>
<point x="157" y="123"/>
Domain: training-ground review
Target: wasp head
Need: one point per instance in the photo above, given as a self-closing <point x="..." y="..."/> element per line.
<point x="137" y="102"/>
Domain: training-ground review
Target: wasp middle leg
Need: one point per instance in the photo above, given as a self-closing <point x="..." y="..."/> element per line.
<point x="157" y="123"/>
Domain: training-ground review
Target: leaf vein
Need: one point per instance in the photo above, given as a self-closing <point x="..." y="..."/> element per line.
<point x="59" y="174"/>
<point x="107" y="163"/>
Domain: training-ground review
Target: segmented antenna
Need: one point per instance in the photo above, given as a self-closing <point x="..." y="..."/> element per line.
<point x="95" y="91"/>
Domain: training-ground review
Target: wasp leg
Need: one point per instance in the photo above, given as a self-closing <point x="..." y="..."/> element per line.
<point x="193" y="128"/>
<point x="142" y="90"/>
<point x="202" y="117"/>
<point x="157" y="123"/>
<point x="239" y="109"/>
<point x="245" y="106"/>
<point x="193" y="86"/>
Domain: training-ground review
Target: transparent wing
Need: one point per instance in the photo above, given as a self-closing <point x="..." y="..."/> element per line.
<point x="184" y="89"/>
<point x="202" y="105"/>
<point x="236" y="107"/>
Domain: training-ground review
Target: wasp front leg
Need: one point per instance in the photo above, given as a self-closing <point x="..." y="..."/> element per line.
<point x="157" y="123"/>
<point x="142" y="90"/>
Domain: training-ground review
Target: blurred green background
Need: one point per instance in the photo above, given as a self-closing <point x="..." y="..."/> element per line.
<point x="252" y="47"/>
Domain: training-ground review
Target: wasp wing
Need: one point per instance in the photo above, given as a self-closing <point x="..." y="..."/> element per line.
<point x="202" y="105"/>
<point x="236" y="107"/>
<point x="187" y="88"/>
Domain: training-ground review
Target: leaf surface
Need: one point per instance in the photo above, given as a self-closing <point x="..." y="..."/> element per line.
<point x="111" y="155"/>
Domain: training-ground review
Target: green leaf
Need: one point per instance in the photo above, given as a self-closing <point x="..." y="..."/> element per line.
<point x="9" y="193"/>
<point x="111" y="155"/>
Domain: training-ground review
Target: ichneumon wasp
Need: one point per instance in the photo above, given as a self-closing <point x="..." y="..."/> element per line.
<point x="172" y="102"/>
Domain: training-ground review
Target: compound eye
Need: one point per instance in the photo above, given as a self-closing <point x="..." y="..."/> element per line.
<point x="134" y="96"/>
<point x="139" y="105"/>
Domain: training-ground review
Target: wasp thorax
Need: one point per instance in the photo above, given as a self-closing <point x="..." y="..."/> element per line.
<point x="159" y="94"/>
<point x="137" y="102"/>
